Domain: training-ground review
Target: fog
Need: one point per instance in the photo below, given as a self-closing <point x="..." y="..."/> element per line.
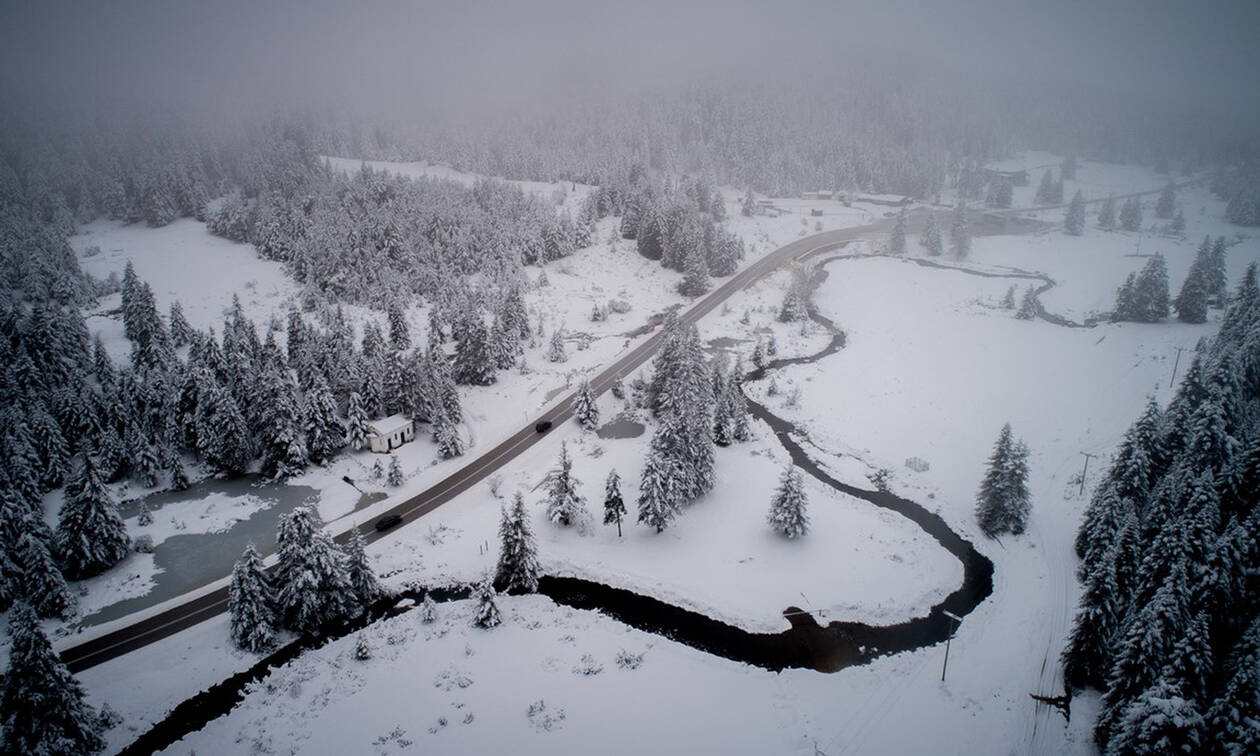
<point x="398" y="58"/>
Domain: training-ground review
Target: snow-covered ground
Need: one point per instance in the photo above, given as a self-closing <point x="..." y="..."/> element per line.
<point x="932" y="368"/>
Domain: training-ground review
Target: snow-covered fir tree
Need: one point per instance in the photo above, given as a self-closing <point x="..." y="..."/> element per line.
<point x="555" y="351"/>
<point x="486" y="612"/>
<point x="1002" y="505"/>
<point x="367" y="589"/>
<point x="659" y="500"/>
<point x="428" y="610"/>
<point x="356" y="423"/>
<point x="474" y="360"/>
<point x="1027" y="305"/>
<point x="1191" y="302"/>
<point x="1144" y="297"/>
<point x="796" y="299"/>
<point x="311" y="581"/>
<point x="931" y="239"/>
<point x="960" y="232"/>
<point x="565" y="506"/>
<point x="1008" y="299"/>
<point x="585" y="407"/>
<point x="325" y="433"/>
<point x="399" y="330"/>
<point x="395" y="478"/>
<point x="1107" y="215"/>
<point x="1131" y="214"/>
<point x="614" y="505"/>
<point x="90" y="536"/>
<point x="897" y="241"/>
<point x="282" y="425"/>
<point x="41" y="703"/>
<point x="787" y="507"/>
<point x="696" y="273"/>
<point x="39" y="581"/>
<point x="517" y="571"/>
<point x="251" y="609"/>
<point x="1166" y="205"/>
<point x="1074" y="216"/>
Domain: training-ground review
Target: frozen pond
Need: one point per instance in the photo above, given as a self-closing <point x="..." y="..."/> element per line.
<point x="621" y="427"/>
<point x="191" y="560"/>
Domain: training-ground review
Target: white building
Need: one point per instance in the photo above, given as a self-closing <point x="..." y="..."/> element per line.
<point x="390" y="433"/>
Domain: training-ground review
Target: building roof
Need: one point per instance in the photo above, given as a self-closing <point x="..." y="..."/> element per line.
<point x="388" y="426"/>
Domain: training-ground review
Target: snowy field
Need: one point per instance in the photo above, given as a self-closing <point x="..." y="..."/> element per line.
<point x="932" y="368"/>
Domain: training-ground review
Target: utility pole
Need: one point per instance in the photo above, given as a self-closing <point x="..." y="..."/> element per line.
<point x="954" y="619"/>
<point x="1176" y="362"/>
<point x="1088" y="457"/>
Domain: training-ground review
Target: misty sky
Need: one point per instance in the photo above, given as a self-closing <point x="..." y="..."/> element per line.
<point x="263" y="56"/>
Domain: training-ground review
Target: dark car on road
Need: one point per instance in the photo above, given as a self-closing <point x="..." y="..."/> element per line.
<point x="542" y="426"/>
<point x="387" y="522"/>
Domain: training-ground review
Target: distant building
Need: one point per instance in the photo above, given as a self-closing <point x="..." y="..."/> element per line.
<point x="821" y="194"/>
<point x="390" y="433"/>
<point x="1017" y="178"/>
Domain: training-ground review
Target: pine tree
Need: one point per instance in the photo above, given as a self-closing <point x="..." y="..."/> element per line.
<point x="367" y="589"/>
<point x="897" y="241"/>
<point x="1002" y="503"/>
<point x="1131" y="214"/>
<point x="1074" y="218"/>
<point x="90" y="535"/>
<point x="960" y="233"/>
<point x="614" y="506"/>
<point x="518" y="554"/>
<point x="474" y="364"/>
<point x="749" y="207"/>
<point x="696" y="273"/>
<point x="399" y="331"/>
<point x="1178" y="225"/>
<point x="282" y="425"/>
<point x="659" y="501"/>
<point x="555" y="352"/>
<point x="931" y="239"/>
<point x="787" y="508"/>
<point x="41" y="703"/>
<point x="1160" y="720"/>
<point x="395" y="472"/>
<point x="1107" y="215"/>
<point x="1027" y="305"/>
<point x="446" y="435"/>
<point x="1216" y="271"/>
<point x="356" y="423"/>
<point x="585" y="408"/>
<point x="1151" y="293"/>
<point x="795" y="306"/>
<point x="1140" y="654"/>
<point x="1008" y="299"/>
<point x="1045" y="190"/>
<point x="325" y="433"/>
<point x="41" y="583"/>
<point x="1087" y="657"/>
<point x="1234" y="714"/>
<point x="181" y="331"/>
<point x="486" y="615"/>
<point x="1167" y="203"/>
<point x="1192" y="301"/>
<point x="250" y="604"/>
<point x="565" y="506"/>
<point x="428" y="610"/>
<point x="312" y="584"/>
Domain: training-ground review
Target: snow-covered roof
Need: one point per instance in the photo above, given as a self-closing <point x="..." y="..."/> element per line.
<point x="389" y="425"/>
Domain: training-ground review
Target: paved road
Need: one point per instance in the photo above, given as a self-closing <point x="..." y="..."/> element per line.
<point x="194" y="611"/>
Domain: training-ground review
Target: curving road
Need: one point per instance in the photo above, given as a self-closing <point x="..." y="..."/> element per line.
<point x="196" y="610"/>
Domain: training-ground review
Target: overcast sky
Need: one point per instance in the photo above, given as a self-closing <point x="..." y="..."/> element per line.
<point x="248" y="55"/>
